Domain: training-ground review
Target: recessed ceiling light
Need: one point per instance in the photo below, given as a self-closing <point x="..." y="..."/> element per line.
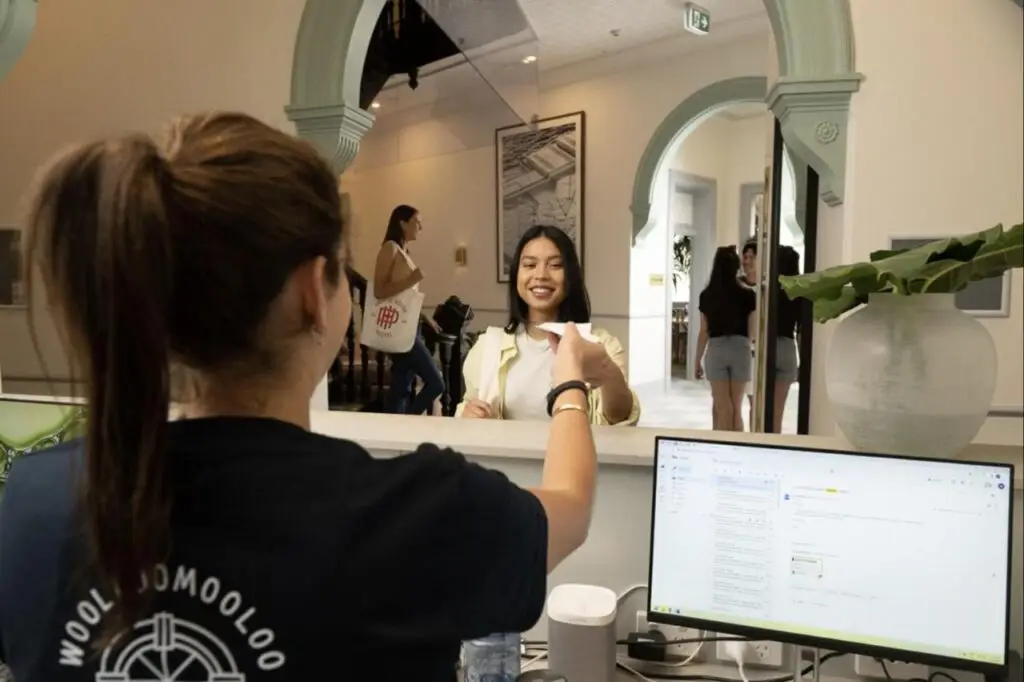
<point x="529" y="59"/>
<point x="375" y="105"/>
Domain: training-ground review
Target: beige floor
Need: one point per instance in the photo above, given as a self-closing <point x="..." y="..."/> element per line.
<point x="687" y="405"/>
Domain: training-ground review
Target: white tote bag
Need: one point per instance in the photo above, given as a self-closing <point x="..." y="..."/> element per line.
<point x="391" y="325"/>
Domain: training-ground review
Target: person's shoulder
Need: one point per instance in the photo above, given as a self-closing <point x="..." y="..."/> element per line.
<point x="43" y="480"/>
<point x="58" y="460"/>
<point x="504" y="339"/>
<point x="440" y="482"/>
<point x="605" y="337"/>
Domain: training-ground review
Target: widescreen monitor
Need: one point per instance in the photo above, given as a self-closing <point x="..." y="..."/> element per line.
<point x="892" y="557"/>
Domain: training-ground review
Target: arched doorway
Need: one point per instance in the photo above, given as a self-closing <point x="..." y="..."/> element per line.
<point x="814" y="42"/>
<point x="17" y="21"/>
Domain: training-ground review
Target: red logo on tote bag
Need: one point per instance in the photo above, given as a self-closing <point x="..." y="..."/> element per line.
<point x="387" y="316"/>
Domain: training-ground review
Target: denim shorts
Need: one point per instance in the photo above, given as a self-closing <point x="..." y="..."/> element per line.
<point x="727" y="359"/>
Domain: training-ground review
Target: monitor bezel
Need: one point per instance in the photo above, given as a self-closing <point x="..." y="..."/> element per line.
<point x="886" y="653"/>
<point x="67" y="401"/>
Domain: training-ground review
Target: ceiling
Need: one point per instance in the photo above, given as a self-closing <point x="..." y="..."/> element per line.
<point x="569" y="32"/>
<point x="576" y="30"/>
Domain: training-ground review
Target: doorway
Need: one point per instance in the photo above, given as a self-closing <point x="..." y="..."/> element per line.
<point x="693" y="215"/>
<point x="704" y="195"/>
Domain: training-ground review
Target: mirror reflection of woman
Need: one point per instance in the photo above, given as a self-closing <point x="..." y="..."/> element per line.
<point x="786" y="360"/>
<point x="748" y="277"/>
<point x="545" y="285"/>
<point x="727" y="324"/>
<point x="394" y="273"/>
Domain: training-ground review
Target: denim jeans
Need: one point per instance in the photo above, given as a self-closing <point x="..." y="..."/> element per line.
<point x="404" y="369"/>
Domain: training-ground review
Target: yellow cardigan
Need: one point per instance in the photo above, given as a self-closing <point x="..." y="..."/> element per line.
<point x="473" y="366"/>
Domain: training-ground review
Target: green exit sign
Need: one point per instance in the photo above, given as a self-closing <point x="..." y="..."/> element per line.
<point x="698" y="19"/>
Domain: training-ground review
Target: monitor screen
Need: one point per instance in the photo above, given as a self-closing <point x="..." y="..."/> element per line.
<point x="882" y="554"/>
<point x="28" y="424"/>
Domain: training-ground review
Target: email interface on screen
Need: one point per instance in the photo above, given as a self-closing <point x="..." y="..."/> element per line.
<point x="910" y="555"/>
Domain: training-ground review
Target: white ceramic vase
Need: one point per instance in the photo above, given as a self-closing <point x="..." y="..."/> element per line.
<point x="911" y="375"/>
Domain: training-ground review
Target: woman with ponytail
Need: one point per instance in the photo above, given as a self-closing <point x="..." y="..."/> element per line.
<point x="233" y="543"/>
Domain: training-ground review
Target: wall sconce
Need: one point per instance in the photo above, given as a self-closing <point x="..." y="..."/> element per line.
<point x="461" y="256"/>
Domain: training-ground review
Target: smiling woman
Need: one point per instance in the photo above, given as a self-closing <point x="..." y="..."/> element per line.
<point x="508" y="372"/>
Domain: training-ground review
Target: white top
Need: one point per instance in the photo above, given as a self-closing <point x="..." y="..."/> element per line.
<point x="582" y="605"/>
<point x="408" y="260"/>
<point x="529" y="379"/>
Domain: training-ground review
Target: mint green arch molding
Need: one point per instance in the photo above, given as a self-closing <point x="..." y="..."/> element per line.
<point x="327" y="68"/>
<point x="694" y="109"/>
<point x="811" y="98"/>
<point x="17" y="21"/>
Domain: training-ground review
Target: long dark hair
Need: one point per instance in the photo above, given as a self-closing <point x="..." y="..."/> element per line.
<point x="401" y="214"/>
<point x="788" y="261"/>
<point x="155" y="257"/>
<point x="723" y="282"/>
<point x="575" y="307"/>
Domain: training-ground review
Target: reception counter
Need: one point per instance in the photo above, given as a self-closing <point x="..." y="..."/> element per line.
<point x="620" y="446"/>
<point x="616" y="552"/>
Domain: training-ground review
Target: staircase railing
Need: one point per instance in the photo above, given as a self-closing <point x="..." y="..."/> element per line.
<point x="361" y="376"/>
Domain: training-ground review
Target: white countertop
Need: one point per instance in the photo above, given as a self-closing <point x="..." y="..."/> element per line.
<point x="616" y="445"/>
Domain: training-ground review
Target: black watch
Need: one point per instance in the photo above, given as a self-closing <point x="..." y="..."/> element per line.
<point x="562" y="388"/>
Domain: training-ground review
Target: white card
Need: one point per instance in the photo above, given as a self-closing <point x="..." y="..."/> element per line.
<point x="558" y="328"/>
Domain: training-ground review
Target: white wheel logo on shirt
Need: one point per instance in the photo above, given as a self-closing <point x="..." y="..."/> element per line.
<point x="168" y="649"/>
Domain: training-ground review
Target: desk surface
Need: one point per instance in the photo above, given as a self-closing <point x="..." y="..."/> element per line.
<point x="616" y="445"/>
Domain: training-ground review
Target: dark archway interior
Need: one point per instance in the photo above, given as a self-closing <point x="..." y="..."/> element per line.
<point x="404" y="39"/>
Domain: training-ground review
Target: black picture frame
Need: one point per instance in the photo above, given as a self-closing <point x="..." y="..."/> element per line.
<point x="540" y="178"/>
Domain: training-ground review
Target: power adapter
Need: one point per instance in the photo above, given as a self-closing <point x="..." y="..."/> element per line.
<point x="647" y="646"/>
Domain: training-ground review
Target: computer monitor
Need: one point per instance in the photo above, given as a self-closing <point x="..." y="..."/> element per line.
<point x="30" y="423"/>
<point x="892" y="557"/>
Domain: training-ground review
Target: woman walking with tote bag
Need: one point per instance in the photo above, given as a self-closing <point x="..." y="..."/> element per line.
<point x="391" y="320"/>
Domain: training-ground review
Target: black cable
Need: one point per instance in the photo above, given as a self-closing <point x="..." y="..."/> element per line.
<point x="692" y="640"/>
<point x="931" y="677"/>
<point x="670" y="642"/>
<point x="713" y="678"/>
<point x="938" y="673"/>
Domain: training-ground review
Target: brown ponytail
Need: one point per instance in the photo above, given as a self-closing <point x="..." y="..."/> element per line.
<point x="107" y="201"/>
<point x="152" y="258"/>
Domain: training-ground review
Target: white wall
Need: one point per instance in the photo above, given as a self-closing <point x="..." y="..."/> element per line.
<point x="445" y="167"/>
<point x="95" y="69"/>
<point x="730" y="152"/>
<point x="650" y="282"/>
<point x="935" y="145"/>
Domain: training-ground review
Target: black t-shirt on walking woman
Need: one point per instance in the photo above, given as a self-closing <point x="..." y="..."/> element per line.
<point x="295" y="557"/>
<point x="728" y="313"/>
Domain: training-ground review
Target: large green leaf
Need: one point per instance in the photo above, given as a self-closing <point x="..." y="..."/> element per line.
<point x="942" y="266"/>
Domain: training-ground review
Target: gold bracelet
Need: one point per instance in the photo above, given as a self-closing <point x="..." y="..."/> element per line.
<point x="570" y="407"/>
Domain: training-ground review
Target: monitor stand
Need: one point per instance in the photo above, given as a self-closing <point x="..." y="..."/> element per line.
<point x="814" y="658"/>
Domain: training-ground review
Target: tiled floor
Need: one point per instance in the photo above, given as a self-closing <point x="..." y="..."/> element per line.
<point x="687" y="405"/>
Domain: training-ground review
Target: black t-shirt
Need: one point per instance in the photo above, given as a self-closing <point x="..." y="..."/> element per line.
<point x="789" y="316"/>
<point x="295" y="557"/>
<point x="728" y="312"/>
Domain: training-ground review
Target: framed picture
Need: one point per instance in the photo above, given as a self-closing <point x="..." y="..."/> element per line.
<point x="986" y="298"/>
<point x="540" y="181"/>
<point x="12" y="281"/>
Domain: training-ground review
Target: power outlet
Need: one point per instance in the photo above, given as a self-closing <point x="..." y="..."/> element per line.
<point x="866" y="666"/>
<point x="759" y="654"/>
<point x="671" y="633"/>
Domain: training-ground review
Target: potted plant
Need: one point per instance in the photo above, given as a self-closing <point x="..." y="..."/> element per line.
<point x="682" y="257"/>
<point x="907" y="372"/>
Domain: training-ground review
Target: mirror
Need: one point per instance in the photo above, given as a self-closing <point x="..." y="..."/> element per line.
<point x="786" y="327"/>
